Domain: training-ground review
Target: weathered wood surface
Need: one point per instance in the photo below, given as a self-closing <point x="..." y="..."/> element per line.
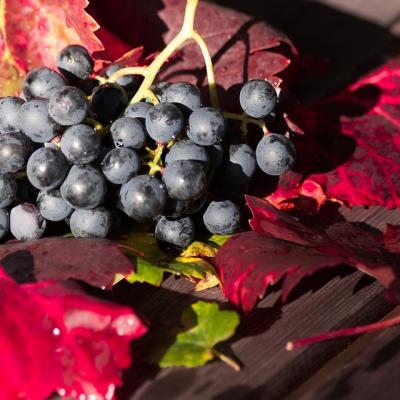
<point x="352" y="38"/>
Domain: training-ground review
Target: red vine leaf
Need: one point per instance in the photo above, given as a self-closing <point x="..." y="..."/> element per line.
<point x="281" y="247"/>
<point x="95" y="261"/>
<point x="53" y="337"/>
<point x="32" y="33"/>
<point x="352" y="144"/>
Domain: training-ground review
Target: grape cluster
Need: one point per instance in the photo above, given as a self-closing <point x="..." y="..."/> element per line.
<point x="72" y="149"/>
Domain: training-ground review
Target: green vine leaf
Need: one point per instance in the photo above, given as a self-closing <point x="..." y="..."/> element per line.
<point x="203" y="326"/>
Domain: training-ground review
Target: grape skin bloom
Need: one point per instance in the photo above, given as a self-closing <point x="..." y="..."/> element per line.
<point x="94" y="223"/>
<point x="26" y="222"/>
<point x="222" y="217"/>
<point x="275" y="154"/>
<point x="177" y="232"/>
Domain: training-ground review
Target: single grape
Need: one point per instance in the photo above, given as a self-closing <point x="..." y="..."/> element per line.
<point x="47" y="168"/>
<point x="15" y="149"/>
<point x="81" y="144"/>
<point x="4" y="222"/>
<point x="275" y="154"/>
<point x="187" y="150"/>
<point x="75" y="63"/>
<point x="160" y="90"/>
<point x="94" y="223"/>
<point x="52" y="206"/>
<point x="138" y="110"/>
<point x="222" y="217"/>
<point x="185" y="180"/>
<point x="258" y="98"/>
<point x="143" y="198"/>
<point x="8" y="190"/>
<point x="120" y="165"/>
<point x="164" y="122"/>
<point x="178" y="232"/>
<point x="184" y="94"/>
<point x="68" y="106"/>
<point x="241" y="164"/>
<point x="42" y="82"/>
<point x="35" y="121"/>
<point x="84" y="188"/>
<point x="128" y="132"/>
<point x="206" y="126"/>
<point x="26" y="222"/>
<point x="9" y="114"/>
<point x="108" y="101"/>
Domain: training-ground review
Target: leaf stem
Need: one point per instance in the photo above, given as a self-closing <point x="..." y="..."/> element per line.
<point x="227" y="360"/>
<point x="377" y="326"/>
<point x="127" y="71"/>
<point x="246" y="120"/>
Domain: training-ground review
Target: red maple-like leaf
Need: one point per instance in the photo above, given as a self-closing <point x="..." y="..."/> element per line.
<point x="55" y="338"/>
<point x="95" y="261"/>
<point x="351" y="148"/>
<point x="32" y="33"/>
<point x="281" y="247"/>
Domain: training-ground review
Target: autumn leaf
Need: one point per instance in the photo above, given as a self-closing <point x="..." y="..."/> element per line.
<point x="280" y="247"/>
<point x="32" y="33"/>
<point x="350" y="152"/>
<point x="55" y="338"/>
<point x="95" y="261"/>
<point x="203" y="326"/>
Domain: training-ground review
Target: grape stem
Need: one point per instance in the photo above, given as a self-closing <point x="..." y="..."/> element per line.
<point x="150" y="72"/>
<point x="156" y="164"/>
<point x="246" y="120"/>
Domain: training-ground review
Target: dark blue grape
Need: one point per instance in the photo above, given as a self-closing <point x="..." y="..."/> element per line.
<point x="68" y="106"/>
<point x="241" y="164"/>
<point x="164" y="122"/>
<point x="187" y="150"/>
<point x="26" y="222"/>
<point x="128" y="132"/>
<point x="47" y="168"/>
<point x="94" y="223"/>
<point x="75" y="63"/>
<point x="184" y="94"/>
<point x="81" y="144"/>
<point x="143" y="198"/>
<point x="138" y="110"/>
<point x="84" y="188"/>
<point x="42" y="82"/>
<point x="35" y="121"/>
<point x="52" y="206"/>
<point x="15" y="149"/>
<point x="9" y="114"/>
<point x="8" y="190"/>
<point x="185" y="180"/>
<point x="258" y="98"/>
<point x="4" y="222"/>
<point x="222" y="217"/>
<point x="108" y="101"/>
<point x="206" y="126"/>
<point x="177" y="232"/>
<point x="120" y="165"/>
<point x="275" y="154"/>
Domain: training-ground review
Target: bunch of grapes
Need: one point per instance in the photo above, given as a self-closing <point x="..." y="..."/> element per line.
<point x="74" y="150"/>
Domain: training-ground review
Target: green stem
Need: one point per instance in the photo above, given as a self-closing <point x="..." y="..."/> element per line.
<point x="227" y="360"/>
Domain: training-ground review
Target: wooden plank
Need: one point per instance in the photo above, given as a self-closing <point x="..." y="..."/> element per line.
<point x="365" y="370"/>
